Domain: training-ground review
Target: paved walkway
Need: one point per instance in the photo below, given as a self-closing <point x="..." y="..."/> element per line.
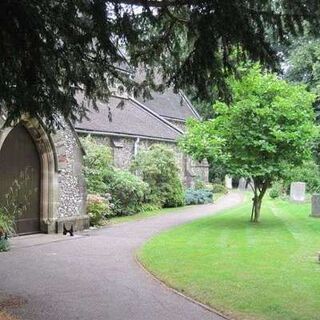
<point x="96" y="277"/>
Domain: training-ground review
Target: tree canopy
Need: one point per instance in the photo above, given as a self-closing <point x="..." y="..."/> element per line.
<point x="51" y="49"/>
<point x="268" y="128"/>
<point x="303" y="64"/>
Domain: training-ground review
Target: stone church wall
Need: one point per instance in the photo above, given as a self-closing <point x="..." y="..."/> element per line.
<point x="63" y="191"/>
<point x="71" y="197"/>
<point x="123" y="152"/>
<point x="72" y="191"/>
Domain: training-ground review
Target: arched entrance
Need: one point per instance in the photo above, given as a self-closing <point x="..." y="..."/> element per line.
<point x="20" y="174"/>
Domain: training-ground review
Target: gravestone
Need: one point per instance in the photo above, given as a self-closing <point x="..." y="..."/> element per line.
<point x="242" y="184"/>
<point x="297" y="191"/>
<point x="228" y="182"/>
<point x="315" y="207"/>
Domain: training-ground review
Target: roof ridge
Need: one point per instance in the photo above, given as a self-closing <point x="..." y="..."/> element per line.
<point x="190" y="105"/>
<point x="156" y="115"/>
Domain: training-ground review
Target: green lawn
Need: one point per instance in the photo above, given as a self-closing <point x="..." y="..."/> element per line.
<point x="263" y="271"/>
<point x="144" y="215"/>
<point x="148" y="214"/>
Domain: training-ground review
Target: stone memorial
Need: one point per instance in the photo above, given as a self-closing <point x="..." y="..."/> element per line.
<point x="242" y="184"/>
<point x="228" y="182"/>
<point x="297" y="191"/>
<point x="315" y="205"/>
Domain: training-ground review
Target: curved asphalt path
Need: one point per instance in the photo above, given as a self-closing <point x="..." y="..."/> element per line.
<point x="96" y="277"/>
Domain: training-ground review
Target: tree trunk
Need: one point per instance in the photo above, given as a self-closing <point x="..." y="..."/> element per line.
<point x="259" y="190"/>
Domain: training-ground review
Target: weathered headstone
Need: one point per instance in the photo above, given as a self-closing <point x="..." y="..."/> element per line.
<point x="242" y="184"/>
<point x="315" y="205"/>
<point x="228" y="182"/>
<point x="297" y="191"/>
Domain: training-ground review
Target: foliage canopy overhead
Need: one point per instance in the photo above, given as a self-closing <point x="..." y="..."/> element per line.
<point x="51" y="49"/>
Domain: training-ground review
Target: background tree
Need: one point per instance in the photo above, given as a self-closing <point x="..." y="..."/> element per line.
<point x="50" y="50"/>
<point x="268" y="128"/>
<point x="303" y="65"/>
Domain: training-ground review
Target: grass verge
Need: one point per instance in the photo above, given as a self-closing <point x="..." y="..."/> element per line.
<point x="267" y="270"/>
<point x="148" y="214"/>
<point x="144" y="215"/>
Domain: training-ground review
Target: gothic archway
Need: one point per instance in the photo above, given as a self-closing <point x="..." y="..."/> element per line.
<point x="33" y="129"/>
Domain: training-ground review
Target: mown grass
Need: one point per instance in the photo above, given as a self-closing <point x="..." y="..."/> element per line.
<point x="148" y="214"/>
<point x="267" y="270"/>
<point x="144" y="215"/>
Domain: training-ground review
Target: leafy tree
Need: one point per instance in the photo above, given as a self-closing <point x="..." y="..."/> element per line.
<point x="50" y="49"/>
<point x="268" y="129"/>
<point x="304" y="65"/>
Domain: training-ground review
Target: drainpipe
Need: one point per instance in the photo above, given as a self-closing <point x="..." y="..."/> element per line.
<point x="136" y="146"/>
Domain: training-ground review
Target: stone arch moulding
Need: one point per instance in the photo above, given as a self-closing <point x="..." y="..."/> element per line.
<point x="48" y="183"/>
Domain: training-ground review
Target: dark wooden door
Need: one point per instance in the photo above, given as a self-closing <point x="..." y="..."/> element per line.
<point x="20" y="179"/>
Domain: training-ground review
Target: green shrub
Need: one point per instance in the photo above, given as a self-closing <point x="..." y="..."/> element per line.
<point x="6" y="223"/>
<point x="128" y="192"/>
<point x="4" y="245"/>
<point x="200" y="184"/>
<point x="157" y="167"/>
<point x="308" y="173"/>
<point x="277" y="190"/>
<point x="147" y="207"/>
<point x="97" y="165"/>
<point x="193" y="196"/>
<point x="6" y="227"/>
<point x="219" y="188"/>
<point x="274" y="193"/>
<point x="98" y="208"/>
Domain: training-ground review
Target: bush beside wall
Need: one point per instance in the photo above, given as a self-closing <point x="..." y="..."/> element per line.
<point x="128" y="192"/>
<point x="157" y="167"/>
<point x="200" y="196"/>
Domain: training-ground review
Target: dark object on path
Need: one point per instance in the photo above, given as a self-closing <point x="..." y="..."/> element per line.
<point x="66" y="231"/>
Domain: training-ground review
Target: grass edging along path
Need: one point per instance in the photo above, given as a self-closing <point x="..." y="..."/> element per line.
<point x="263" y="271"/>
<point x="148" y="214"/>
<point x="143" y="215"/>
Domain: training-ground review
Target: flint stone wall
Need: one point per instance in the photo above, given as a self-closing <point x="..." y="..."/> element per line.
<point x="64" y="193"/>
<point x="71" y="183"/>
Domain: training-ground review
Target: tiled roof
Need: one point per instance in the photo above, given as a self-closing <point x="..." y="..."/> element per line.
<point x="170" y="105"/>
<point x="129" y="119"/>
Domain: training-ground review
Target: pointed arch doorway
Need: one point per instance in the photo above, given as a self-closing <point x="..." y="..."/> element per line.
<point x="20" y="174"/>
